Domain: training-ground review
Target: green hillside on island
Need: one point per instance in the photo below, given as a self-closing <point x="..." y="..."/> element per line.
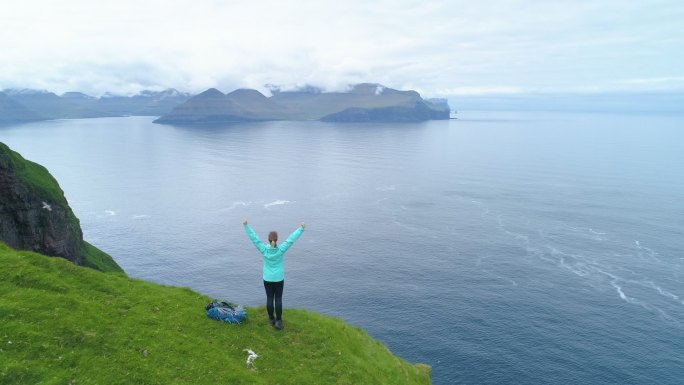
<point x="66" y="324"/>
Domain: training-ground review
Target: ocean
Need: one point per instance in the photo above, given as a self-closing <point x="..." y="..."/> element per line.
<point x="500" y="248"/>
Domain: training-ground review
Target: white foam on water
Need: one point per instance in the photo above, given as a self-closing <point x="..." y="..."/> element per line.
<point x="279" y="202"/>
<point x="614" y="282"/>
<point x="666" y="317"/>
<point x="579" y="268"/>
<point x="619" y="290"/>
<point x="141" y="216"/>
<point x="236" y="204"/>
<point x="588" y="267"/>
<point x="664" y="292"/>
<point x="648" y="251"/>
<point x="587" y="232"/>
<point x="110" y="212"/>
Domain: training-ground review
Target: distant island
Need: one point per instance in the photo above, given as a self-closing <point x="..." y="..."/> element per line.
<point x="27" y="105"/>
<point x="366" y="102"/>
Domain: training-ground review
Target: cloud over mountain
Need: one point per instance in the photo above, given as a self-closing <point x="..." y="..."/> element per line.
<point x="434" y="47"/>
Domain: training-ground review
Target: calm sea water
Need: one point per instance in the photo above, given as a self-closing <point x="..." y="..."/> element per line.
<point x="500" y="248"/>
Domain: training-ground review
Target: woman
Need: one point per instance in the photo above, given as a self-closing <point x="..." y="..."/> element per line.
<point x="274" y="269"/>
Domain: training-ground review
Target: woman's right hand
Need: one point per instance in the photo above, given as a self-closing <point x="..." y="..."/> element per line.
<point x="244" y="222"/>
<point x="303" y="226"/>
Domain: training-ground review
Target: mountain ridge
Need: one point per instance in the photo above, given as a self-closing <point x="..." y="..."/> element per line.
<point x="365" y="102"/>
<point x="27" y="105"/>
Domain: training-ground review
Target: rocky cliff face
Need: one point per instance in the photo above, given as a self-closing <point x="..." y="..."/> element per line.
<point x="35" y="215"/>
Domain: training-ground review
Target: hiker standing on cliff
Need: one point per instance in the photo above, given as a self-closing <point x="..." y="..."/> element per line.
<point x="274" y="269"/>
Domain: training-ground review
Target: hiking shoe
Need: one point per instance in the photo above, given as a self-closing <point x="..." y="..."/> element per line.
<point x="278" y="324"/>
<point x="271" y="321"/>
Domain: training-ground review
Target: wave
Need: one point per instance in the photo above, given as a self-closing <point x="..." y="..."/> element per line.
<point x="590" y="267"/>
<point x="141" y="216"/>
<point x="110" y="212"/>
<point x="276" y="203"/>
<point x="236" y="204"/>
<point x="664" y="292"/>
<point x="647" y="250"/>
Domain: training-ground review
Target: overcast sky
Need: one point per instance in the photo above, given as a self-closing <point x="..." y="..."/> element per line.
<point x="439" y="48"/>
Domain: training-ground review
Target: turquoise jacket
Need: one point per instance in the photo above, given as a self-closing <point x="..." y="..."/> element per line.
<point x="274" y="263"/>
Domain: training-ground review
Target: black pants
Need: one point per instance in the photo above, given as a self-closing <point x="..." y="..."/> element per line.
<point x="274" y="293"/>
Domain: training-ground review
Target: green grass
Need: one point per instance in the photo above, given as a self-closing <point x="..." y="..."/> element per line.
<point x="99" y="260"/>
<point x="63" y="324"/>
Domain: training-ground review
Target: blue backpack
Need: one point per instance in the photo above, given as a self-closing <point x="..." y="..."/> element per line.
<point x="226" y="312"/>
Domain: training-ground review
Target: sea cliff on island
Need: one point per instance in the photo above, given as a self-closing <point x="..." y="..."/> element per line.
<point x="35" y="215"/>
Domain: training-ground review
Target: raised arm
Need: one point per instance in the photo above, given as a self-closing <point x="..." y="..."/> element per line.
<point x="292" y="238"/>
<point x="254" y="237"/>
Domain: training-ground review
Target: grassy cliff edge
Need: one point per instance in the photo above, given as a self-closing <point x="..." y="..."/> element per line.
<point x="63" y="323"/>
<point x="43" y="187"/>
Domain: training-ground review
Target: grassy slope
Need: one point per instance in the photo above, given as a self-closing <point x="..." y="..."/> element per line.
<point x="61" y="322"/>
<point x="39" y="179"/>
<point x="99" y="260"/>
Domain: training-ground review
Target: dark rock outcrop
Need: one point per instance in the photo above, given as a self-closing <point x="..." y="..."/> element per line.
<point x="35" y="215"/>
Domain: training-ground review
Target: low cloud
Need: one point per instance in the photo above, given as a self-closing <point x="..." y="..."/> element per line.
<point x="439" y="48"/>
